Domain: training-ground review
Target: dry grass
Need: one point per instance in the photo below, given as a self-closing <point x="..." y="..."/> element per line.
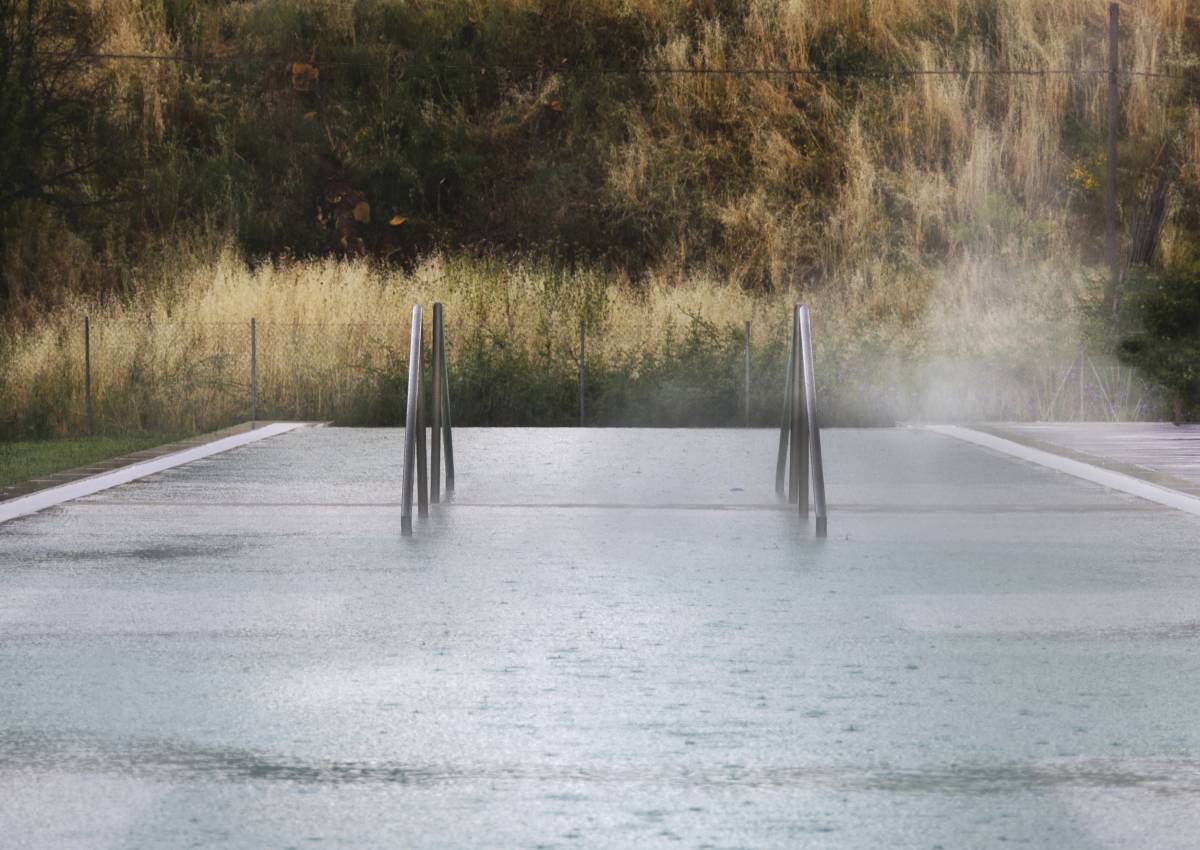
<point x="939" y="147"/>
<point x="328" y="331"/>
<point x="144" y="88"/>
<point x="181" y="355"/>
<point x="926" y="220"/>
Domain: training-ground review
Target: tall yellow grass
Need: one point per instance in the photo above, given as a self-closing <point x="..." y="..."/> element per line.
<point x="138" y="27"/>
<point x="970" y="172"/>
<point x="179" y="357"/>
<point x="938" y="147"/>
<point x="941" y="147"/>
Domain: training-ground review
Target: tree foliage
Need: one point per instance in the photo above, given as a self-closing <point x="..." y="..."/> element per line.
<point x="387" y="128"/>
<point x="1161" y="316"/>
<point x="56" y="140"/>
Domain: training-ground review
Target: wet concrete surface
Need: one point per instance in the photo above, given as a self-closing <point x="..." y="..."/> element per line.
<point x="1155" y="451"/>
<point x="609" y="639"/>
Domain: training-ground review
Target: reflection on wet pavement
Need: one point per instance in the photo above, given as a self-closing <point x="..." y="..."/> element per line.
<point x="170" y="761"/>
<point x="610" y="639"/>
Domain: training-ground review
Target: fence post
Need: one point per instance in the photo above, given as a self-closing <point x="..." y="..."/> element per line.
<point x="747" y="374"/>
<point x="1110" y="171"/>
<point x="87" y="374"/>
<point x="582" y="365"/>
<point x="1082" y="380"/>
<point x="253" y="375"/>
<point x="435" y="429"/>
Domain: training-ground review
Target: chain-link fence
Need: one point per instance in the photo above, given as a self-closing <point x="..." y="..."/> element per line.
<point x="122" y="376"/>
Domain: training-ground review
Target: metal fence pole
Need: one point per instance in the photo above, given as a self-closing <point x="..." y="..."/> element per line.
<point x="1082" y="379"/>
<point x="747" y="342"/>
<point x="253" y="374"/>
<point x="87" y="375"/>
<point x="814" y="440"/>
<point x="582" y="366"/>
<point x="410" y="419"/>
<point x="785" y="425"/>
<point x="435" y="429"/>
<point x="1110" y="170"/>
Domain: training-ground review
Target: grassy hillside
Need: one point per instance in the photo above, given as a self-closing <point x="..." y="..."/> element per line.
<point x="588" y="146"/>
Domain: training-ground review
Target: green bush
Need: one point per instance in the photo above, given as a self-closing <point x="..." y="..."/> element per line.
<point x="1159" y="322"/>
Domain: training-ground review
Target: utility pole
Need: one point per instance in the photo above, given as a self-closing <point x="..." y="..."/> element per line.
<point x="1110" y="181"/>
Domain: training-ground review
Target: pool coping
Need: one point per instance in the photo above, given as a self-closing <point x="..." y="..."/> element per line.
<point x="66" y="476"/>
<point x="1154" y="476"/>
<point x="1077" y="464"/>
<point x="47" y="491"/>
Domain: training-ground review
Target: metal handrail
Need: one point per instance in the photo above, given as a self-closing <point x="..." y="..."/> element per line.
<point x="412" y="424"/>
<point x="785" y="425"/>
<point x="447" y="431"/>
<point x="428" y="477"/>
<point x="441" y="405"/>
<point x="798" y="482"/>
<point x="814" y="438"/>
<point x="422" y="466"/>
<point x="799" y="436"/>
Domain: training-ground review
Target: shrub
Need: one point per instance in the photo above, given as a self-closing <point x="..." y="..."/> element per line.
<point x="1160" y="332"/>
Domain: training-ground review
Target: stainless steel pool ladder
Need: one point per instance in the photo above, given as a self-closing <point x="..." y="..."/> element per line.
<point x="427" y="480"/>
<point x="799" y="436"/>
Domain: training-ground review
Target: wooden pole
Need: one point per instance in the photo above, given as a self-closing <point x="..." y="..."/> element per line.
<point x="1110" y="174"/>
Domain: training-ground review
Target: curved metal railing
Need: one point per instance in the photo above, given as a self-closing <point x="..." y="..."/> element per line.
<point x="799" y="436"/>
<point x="427" y="480"/>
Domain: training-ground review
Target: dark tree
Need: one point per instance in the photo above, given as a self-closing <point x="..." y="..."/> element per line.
<point x="1161" y="310"/>
<point x="55" y="136"/>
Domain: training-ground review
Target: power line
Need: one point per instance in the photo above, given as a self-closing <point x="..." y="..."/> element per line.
<point x="640" y="70"/>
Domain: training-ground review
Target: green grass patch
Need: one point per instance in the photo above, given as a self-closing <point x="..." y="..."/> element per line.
<point x="22" y="460"/>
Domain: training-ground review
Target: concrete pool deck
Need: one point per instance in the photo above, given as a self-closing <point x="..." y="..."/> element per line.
<point x="1159" y="452"/>
<point x="609" y="638"/>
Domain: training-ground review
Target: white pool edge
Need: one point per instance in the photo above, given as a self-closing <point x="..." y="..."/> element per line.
<point x="1097" y="475"/>
<point x="51" y="496"/>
